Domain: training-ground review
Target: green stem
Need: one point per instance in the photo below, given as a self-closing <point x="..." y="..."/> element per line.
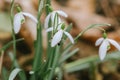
<point x="22" y="76"/>
<point x="38" y="49"/>
<point x="50" y="50"/>
<point x="38" y="44"/>
<point x="90" y="27"/>
<point x="8" y="45"/>
<point x="13" y="34"/>
<point x="55" y="62"/>
<point x="86" y="29"/>
<point x="50" y="58"/>
<point x="48" y="2"/>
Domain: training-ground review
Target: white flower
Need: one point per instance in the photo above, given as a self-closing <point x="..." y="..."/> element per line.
<point x="31" y="72"/>
<point x="56" y="25"/>
<point x="58" y="36"/>
<point x="55" y="20"/>
<point x="105" y="44"/>
<point x="19" y="19"/>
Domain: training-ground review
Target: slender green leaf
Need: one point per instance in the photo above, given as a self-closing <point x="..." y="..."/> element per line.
<point x="85" y="62"/>
<point x="55" y="62"/>
<point x="90" y="27"/>
<point x="8" y="44"/>
<point x="66" y="50"/>
<point x="4" y="74"/>
<point x="65" y="57"/>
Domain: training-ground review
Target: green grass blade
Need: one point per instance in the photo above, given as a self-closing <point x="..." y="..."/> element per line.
<point x="68" y="55"/>
<point x="9" y="44"/>
<point x="85" y="62"/>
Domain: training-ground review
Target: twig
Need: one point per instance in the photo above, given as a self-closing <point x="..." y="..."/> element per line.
<point x="1" y="61"/>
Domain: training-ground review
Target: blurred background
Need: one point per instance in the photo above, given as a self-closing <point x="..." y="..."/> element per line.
<point x="81" y="13"/>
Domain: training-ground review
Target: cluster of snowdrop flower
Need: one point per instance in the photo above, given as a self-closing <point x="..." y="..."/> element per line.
<point x="57" y="27"/>
<point x="56" y="24"/>
<point x="104" y="43"/>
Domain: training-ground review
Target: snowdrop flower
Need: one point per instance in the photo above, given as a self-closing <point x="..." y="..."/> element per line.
<point x="105" y="45"/>
<point x="19" y="19"/>
<point x="55" y="19"/>
<point x="56" y="24"/>
<point x="58" y="36"/>
<point x="31" y="72"/>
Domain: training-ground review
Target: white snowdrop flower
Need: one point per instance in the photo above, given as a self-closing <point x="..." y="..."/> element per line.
<point x="58" y="36"/>
<point x="105" y="44"/>
<point x="19" y="19"/>
<point x="31" y="72"/>
<point x="55" y="20"/>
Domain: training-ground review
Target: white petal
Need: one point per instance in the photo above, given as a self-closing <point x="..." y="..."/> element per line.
<point x="69" y="36"/>
<point x="30" y="16"/>
<point x="31" y="72"/>
<point x="46" y="23"/>
<point x="49" y="29"/>
<point x="57" y="38"/>
<point x="99" y="41"/>
<point x="59" y="20"/>
<point x="18" y="21"/>
<point x="113" y="42"/>
<point x="14" y="73"/>
<point x="62" y="13"/>
<point x="103" y="49"/>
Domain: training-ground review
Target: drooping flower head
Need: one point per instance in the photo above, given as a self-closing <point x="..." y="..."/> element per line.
<point x="20" y="19"/>
<point x="59" y="34"/>
<point x="105" y="45"/>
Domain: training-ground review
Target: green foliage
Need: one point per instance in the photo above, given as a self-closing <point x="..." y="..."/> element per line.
<point x="53" y="64"/>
